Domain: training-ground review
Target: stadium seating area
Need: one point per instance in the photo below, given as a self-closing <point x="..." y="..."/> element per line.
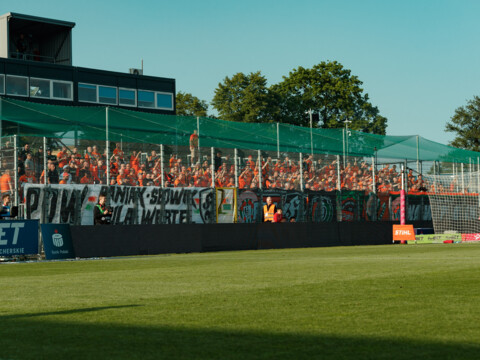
<point x="72" y="166"/>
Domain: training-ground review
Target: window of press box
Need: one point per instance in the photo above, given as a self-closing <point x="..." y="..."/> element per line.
<point x="146" y="99"/>
<point x="62" y="90"/>
<point x="107" y="95"/>
<point x="165" y="101"/>
<point x="2" y="84"/>
<point x="40" y="88"/>
<point x="17" y="85"/>
<point x="87" y="93"/>
<point x="127" y="97"/>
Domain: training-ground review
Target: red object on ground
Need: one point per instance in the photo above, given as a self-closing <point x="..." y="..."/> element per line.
<point x="448" y="241"/>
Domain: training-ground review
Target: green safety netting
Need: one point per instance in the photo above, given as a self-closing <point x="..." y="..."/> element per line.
<point x="89" y="123"/>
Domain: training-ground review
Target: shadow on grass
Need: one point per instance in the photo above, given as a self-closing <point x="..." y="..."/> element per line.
<point x="22" y="337"/>
<point x="64" y="312"/>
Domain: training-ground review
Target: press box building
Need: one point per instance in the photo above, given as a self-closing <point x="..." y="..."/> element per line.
<point x="36" y="65"/>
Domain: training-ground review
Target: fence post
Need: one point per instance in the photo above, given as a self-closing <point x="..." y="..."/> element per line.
<point x="198" y="134"/>
<point x="212" y="166"/>
<point x="259" y="169"/>
<point x="374" y="188"/>
<point x="463" y="181"/>
<point x="339" y="180"/>
<point x="44" y="160"/>
<point x="161" y="166"/>
<point x="300" y="163"/>
<point x="402" y="198"/>
<point x="469" y="184"/>
<point x="235" y="156"/>
<point x="15" y="169"/>
<point x="107" y="146"/>
<point x="278" y="140"/>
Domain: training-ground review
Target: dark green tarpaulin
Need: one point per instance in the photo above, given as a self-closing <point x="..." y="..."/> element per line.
<point x="89" y="123"/>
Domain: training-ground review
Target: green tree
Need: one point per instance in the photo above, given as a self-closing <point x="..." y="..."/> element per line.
<point x="189" y="105"/>
<point x="244" y="98"/>
<point x="465" y="123"/>
<point x="332" y="91"/>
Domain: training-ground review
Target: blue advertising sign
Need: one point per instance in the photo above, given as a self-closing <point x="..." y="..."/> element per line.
<point x="57" y="241"/>
<point x="18" y="237"/>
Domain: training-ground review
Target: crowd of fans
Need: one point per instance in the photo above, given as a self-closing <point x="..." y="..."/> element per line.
<point x="70" y="166"/>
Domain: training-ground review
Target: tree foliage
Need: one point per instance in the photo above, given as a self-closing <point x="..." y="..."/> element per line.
<point x="332" y="91"/>
<point x="328" y="89"/>
<point x="189" y="105"/>
<point x="244" y="98"/>
<point x="465" y="123"/>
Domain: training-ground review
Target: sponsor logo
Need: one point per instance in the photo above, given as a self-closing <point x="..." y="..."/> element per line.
<point x="16" y="226"/>
<point x="403" y="232"/>
<point x="57" y="239"/>
<point x="470" y="237"/>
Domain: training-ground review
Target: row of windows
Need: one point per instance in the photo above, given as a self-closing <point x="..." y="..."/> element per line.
<point x="99" y="94"/>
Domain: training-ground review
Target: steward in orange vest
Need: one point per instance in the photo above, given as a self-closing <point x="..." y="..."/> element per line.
<point x="269" y="210"/>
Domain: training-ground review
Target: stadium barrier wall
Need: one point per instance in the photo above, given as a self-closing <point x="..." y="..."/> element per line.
<point x="121" y="240"/>
<point x="74" y="204"/>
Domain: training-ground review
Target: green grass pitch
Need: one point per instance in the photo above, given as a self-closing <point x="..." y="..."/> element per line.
<point x="373" y="302"/>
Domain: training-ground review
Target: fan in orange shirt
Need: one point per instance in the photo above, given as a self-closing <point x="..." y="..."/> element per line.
<point x="6" y="182"/>
<point x="139" y="180"/>
<point x="95" y="152"/>
<point x="231" y="182"/>
<point x="86" y="179"/>
<point x="180" y="181"/>
<point x="250" y="162"/>
<point x="62" y="157"/>
<point x="173" y="160"/>
<point x="118" y="151"/>
<point x="121" y="178"/>
<point x="66" y="177"/>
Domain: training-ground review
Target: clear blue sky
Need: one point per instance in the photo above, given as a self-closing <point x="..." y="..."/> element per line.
<point x="418" y="60"/>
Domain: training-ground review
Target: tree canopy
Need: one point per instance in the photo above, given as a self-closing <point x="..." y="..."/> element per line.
<point x="244" y="98"/>
<point x="331" y="91"/>
<point x="465" y="123"/>
<point x="328" y="89"/>
<point x="189" y="105"/>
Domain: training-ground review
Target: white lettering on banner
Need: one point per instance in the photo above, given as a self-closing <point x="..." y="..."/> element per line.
<point x="402" y="232"/>
<point x="2" y="233"/>
<point x="15" y="226"/>
<point x="131" y="205"/>
<point x="59" y="252"/>
<point x="12" y="251"/>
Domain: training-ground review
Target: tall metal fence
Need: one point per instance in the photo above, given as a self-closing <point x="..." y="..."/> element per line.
<point x="59" y="180"/>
